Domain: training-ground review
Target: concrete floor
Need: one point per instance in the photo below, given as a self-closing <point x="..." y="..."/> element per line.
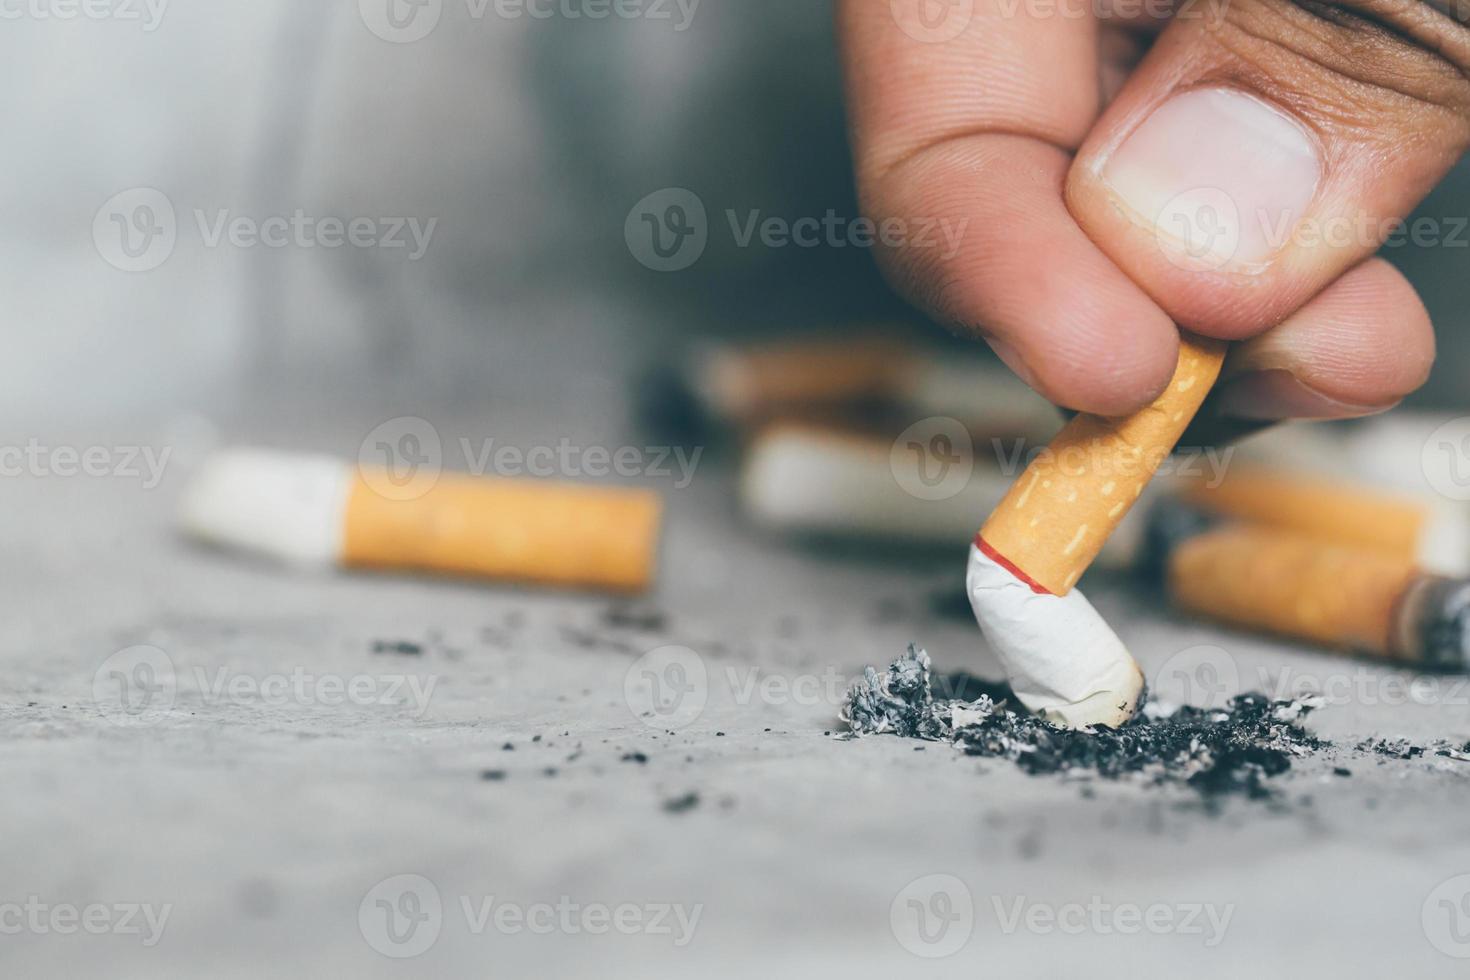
<point x="270" y="820"/>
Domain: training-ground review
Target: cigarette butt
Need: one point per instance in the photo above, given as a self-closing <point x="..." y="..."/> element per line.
<point x="321" y="511"/>
<point x="1308" y="588"/>
<point x="1058" y="515"/>
<point x="810" y="481"/>
<point x="748" y="386"/>
<point x="799" y="479"/>
<point x="1399" y="525"/>
<point x="1062" y="659"/>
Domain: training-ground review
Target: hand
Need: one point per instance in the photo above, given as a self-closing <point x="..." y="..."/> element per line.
<point x="1230" y="166"/>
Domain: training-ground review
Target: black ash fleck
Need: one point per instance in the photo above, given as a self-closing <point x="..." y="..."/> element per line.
<point x="682" y="804"/>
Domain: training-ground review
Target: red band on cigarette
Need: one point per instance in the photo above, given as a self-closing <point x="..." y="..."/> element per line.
<point x="1009" y="566"/>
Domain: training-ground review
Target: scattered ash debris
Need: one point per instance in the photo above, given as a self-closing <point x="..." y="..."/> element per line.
<point x="682" y="804"/>
<point x="1391" y="748"/>
<point x="1232" y="750"/>
<point x="631" y="616"/>
<point x="401" y="648"/>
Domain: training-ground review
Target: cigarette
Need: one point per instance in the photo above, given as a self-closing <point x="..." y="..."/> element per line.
<point x="1063" y="660"/>
<point x="805" y="480"/>
<point x="1364" y="600"/>
<point x="1436" y="537"/>
<point x="744" y="387"/>
<point x="808" y="481"/>
<point x="320" y="511"/>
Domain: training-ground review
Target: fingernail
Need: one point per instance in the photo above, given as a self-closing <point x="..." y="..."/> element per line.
<point x="1221" y="177"/>
<point x="1276" y="395"/>
<point x="1012" y="359"/>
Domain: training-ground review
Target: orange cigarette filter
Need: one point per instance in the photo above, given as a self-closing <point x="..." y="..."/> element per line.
<point x="1301" y="586"/>
<point x="519" y="530"/>
<point x="1333" y="511"/>
<point x="748" y="383"/>
<point x="1060" y="513"/>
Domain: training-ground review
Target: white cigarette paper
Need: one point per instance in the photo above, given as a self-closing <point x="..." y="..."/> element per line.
<point x="1063" y="661"/>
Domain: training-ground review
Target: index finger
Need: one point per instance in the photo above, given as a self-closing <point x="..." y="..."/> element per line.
<point x="965" y="115"/>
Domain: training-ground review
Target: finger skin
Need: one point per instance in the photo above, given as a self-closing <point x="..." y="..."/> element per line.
<point x="976" y="135"/>
<point x="1357" y="349"/>
<point x="1378" y="87"/>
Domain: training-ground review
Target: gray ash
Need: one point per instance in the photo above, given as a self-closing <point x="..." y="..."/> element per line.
<point x="1231" y="750"/>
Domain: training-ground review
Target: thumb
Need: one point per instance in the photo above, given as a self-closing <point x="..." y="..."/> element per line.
<point x="1264" y="147"/>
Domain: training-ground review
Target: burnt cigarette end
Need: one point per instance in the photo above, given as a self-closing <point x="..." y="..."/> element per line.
<point x="1445" y="625"/>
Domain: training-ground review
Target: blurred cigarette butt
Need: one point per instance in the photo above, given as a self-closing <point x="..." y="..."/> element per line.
<point x="1401" y="526"/>
<point x="322" y="511"/>
<point x="1060" y="513"/>
<point x="747" y="386"/>
<point x="806" y="480"/>
<point x="1340" y="596"/>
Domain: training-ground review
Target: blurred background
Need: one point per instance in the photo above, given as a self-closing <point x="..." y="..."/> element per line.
<point x="526" y="140"/>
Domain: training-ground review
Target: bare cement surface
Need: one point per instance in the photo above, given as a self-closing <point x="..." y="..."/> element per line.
<point x="264" y="804"/>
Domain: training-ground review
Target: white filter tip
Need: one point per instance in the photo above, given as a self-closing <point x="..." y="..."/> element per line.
<point x="1062" y="659"/>
<point x="282" y="505"/>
